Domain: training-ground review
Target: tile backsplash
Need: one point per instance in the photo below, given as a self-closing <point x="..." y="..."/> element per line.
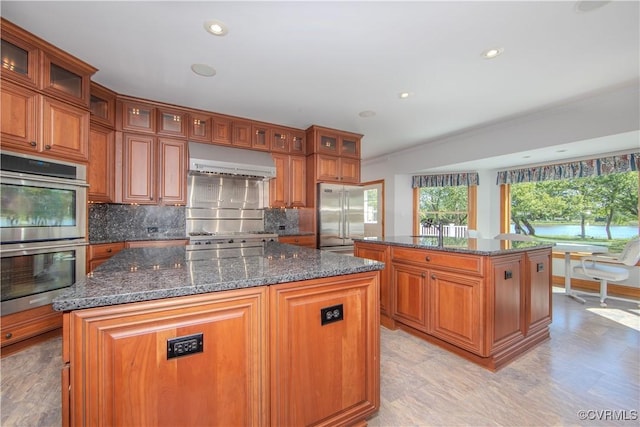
<point x="110" y="222"/>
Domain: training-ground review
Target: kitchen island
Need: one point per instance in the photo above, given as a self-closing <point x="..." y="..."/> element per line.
<point x="289" y="337"/>
<point x="486" y="300"/>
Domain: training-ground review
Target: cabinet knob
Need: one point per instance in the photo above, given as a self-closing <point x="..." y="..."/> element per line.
<point x="33" y="143"/>
<point x="109" y="250"/>
<point x="424" y="275"/>
<point x="151" y="198"/>
<point x="428" y="258"/>
<point x="433" y="276"/>
<point x="9" y="335"/>
<point x="47" y="147"/>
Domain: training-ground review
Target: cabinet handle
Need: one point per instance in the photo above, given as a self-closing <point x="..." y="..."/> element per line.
<point x="433" y="276"/>
<point x="427" y="258"/>
<point x="109" y="250"/>
<point x="47" y="147"/>
<point x="33" y="143"/>
<point x="9" y="335"/>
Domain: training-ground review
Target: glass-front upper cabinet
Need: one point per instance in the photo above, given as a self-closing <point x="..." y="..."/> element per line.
<point x="19" y="60"/>
<point x="138" y="117"/>
<point x="67" y="78"/>
<point x="172" y="122"/>
<point x="199" y="128"/>
<point x="297" y="143"/>
<point x="328" y="144"/>
<point x="279" y="141"/>
<point x="349" y="147"/>
<point x="102" y="105"/>
<point x="260" y="137"/>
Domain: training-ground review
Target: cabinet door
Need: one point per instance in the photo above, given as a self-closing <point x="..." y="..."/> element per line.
<point x="200" y="127"/>
<point x="324" y="351"/>
<point x="539" y="311"/>
<point x="327" y="144"/>
<point x="68" y="79"/>
<point x="172" y="171"/>
<point x="26" y="324"/>
<point x="138" y="117"/>
<point x="101" y="168"/>
<point x="349" y="170"/>
<point x="65" y="130"/>
<point x="349" y="147"/>
<point x="123" y="374"/>
<point x="410" y="296"/>
<point x="279" y="141"/>
<point x="241" y="136"/>
<point x="327" y="168"/>
<point x="221" y="131"/>
<point x="297" y="181"/>
<point x="508" y="299"/>
<point x="172" y="122"/>
<point x="260" y="137"/>
<point x="20" y="107"/>
<point x="378" y="253"/>
<point x="102" y="105"/>
<point x="138" y="169"/>
<point x="297" y="144"/>
<point x="455" y="305"/>
<point x="279" y="186"/>
<point x="20" y="60"/>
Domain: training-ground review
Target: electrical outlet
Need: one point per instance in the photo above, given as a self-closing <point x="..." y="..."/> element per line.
<point x="281" y="227"/>
<point x="152" y="229"/>
<point x="183" y="346"/>
<point x="331" y="314"/>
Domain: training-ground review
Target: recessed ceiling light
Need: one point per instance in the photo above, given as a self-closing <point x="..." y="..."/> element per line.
<point x="203" y="70"/>
<point x="367" y="113"/>
<point x="404" y="95"/>
<point x="589" y="5"/>
<point x="216" y="28"/>
<point x="492" y="53"/>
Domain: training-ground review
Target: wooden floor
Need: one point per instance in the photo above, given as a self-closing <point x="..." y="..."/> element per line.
<point x="591" y="364"/>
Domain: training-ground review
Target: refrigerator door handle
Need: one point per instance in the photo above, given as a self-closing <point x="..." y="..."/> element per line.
<point x="347" y="228"/>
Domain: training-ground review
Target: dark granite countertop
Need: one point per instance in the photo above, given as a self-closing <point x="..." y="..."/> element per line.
<point x="297" y="233"/>
<point x="489" y="247"/>
<point x="144" y="274"/>
<point x="153" y="236"/>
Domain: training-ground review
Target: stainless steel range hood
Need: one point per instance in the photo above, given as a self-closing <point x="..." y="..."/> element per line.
<point x="214" y="159"/>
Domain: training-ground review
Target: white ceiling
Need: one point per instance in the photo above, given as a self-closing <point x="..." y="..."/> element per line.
<point x="303" y="63"/>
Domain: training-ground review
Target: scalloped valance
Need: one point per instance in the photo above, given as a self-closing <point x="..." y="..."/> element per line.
<point x="579" y="169"/>
<point x="446" y="180"/>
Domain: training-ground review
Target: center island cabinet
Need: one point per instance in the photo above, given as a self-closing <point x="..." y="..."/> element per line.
<point x="289" y="337"/>
<point x="486" y="300"/>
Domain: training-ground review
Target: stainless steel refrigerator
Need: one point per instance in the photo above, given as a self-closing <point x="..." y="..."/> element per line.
<point x="340" y="216"/>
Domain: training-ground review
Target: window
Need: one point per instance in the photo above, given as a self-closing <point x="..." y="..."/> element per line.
<point x="445" y="199"/>
<point x="593" y="201"/>
<point x="371" y="206"/>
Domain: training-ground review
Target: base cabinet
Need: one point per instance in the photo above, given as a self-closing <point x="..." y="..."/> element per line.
<point x="378" y="253"/>
<point x="128" y="363"/>
<point x="410" y="296"/>
<point x="324" y="352"/>
<point x="300" y="353"/>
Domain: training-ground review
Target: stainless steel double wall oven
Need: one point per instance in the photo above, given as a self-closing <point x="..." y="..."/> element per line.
<point x="43" y="229"/>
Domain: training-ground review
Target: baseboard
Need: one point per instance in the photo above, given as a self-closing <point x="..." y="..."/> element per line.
<point x="613" y="289"/>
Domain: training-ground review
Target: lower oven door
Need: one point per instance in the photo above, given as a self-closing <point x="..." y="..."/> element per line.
<point x="34" y="273"/>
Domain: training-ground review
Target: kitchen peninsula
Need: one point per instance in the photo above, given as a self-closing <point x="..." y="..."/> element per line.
<point x="486" y="300"/>
<point x="288" y="337"/>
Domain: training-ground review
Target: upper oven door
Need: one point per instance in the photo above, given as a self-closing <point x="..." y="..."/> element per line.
<point x="35" y="208"/>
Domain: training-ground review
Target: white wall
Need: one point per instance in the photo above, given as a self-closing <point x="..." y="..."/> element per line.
<point x="609" y="113"/>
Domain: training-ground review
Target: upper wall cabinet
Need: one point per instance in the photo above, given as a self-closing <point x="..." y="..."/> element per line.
<point x="31" y="61"/>
<point x="137" y="116"/>
<point x="102" y="105"/>
<point x="172" y="122"/>
<point x="287" y="141"/>
<point x="333" y="142"/>
<point x="199" y="127"/>
<point x="221" y="130"/>
<point x="241" y="134"/>
<point x="260" y="137"/>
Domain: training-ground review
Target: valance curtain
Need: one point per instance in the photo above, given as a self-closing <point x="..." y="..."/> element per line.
<point x="579" y="169"/>
<point x="446" y="180"/>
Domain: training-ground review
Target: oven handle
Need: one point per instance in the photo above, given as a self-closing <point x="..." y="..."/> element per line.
<point x="47" y="179"/>
<point x="29" y="247"/>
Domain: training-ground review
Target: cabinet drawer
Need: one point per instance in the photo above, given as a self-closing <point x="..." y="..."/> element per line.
<point x="105" y="250"/>
<point x="29" y="323"/>
<point x="440" y="260"/>
<point x="309" y="240"/>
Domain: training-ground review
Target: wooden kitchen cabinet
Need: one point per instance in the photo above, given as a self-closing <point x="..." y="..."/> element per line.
<point x="153" y="170"/>
<point x="221" y="130"/>
<point x="333" y="142"/>
<point x="260" y="137"/>
<point x="411" y="296"/>
<point x="200" y="127"/>
<point x="24" y="327"/>
<point x="379" y="253"/>
<point x="308" y="241"/>
<point x="324" y="346"/>
<point x="101" y="168"/>
<point x="122" y="372"/>
<point x="284" y="141"/>
<point x="65" y="128"/>
<point x="172" y="122"/>
<point x="336" y="169"/>
<point x="102" y="105"/>
<point x="539" y="307"/>
<point x="241" y="133"/>
<point x="136" y="116"/>
<point x="101" y="252"/>
<point x="288" y="188"/>
<point x="20" y="56"/>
